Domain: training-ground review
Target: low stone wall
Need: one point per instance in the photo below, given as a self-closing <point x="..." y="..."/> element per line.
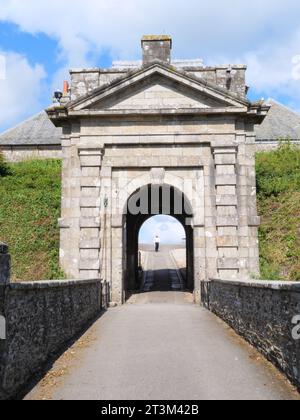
<point x="271" y="145"/>
<point x="40" y="318"/>
<point x="265" y="314"/>
<point x="22" y="153"/>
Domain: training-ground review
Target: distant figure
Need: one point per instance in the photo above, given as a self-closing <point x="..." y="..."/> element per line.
<point x="156" y="243"/>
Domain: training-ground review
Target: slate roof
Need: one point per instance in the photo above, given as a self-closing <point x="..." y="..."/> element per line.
<point x="37" y="130"/>
<point x="281" y="122"/>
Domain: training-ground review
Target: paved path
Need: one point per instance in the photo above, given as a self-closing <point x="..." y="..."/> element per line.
<point x="161" y="346"/>
<point x="161" y="275"/>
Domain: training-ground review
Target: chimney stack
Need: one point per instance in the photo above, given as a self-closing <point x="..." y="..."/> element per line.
<point x="156" y="48"/>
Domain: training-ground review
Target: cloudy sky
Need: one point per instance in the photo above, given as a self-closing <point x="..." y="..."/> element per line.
<point x="167" y="228"/>
<point x="40" y="40"/>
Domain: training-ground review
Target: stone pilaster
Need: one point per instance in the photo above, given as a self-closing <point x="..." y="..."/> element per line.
<point x="70" y="212"/>
<point x="106" y="223"/>
<point x="227" y="220"/>
<point x="199" y="235"/>
<point x="210" y="251"/>
<point x="90" y="223"/>
<point x="247" y="206"/>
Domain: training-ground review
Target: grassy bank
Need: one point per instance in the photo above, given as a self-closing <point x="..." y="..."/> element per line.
<point x="29" y="208"/>
<point x="278" y="182"/>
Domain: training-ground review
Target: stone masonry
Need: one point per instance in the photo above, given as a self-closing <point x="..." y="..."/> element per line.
<point x="151" y="123"/>
<point x="265" y="313"/>
<point x="37" y="320"/>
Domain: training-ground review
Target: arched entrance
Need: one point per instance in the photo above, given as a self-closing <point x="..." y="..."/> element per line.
<point x="146" y="202"/>
<point x="157" y="125"/>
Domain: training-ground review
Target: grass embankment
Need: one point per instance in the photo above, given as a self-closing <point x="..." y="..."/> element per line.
<point x="278" y="182"/>
<point x="29" y="208"/>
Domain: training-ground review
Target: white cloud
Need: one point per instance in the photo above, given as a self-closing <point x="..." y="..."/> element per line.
<point x="273" y="66"/>
<point x="198" y="27"/>
<point x="167" y="228"/>
<point x="2" y="67"/>
<point x="20" y="89"/>
<point x="263" y="34"/>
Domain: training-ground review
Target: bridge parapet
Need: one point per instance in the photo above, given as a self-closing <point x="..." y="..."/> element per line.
<point x="38" y="320"/>
<point x="4" y="264"/>
<point x="265" y="313"/>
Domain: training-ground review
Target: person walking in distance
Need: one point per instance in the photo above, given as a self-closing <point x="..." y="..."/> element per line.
<point x="156" y="243"/>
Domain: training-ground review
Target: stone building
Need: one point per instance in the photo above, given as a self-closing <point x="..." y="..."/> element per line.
<point x="35" y="138"/>
<point x="280" y="123"/>
<point x="146" y="128"/>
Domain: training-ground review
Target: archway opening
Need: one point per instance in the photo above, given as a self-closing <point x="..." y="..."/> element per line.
<point x="162" y="254"/>
<point x="166" y="212"/>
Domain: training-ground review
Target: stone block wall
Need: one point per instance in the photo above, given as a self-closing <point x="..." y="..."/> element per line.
<point x="232" y="78"/>
<point x="23" y="153"/>
<point x="264" y="314"/>
<point x="39" y="319"/>
<point x="84" y="81"/>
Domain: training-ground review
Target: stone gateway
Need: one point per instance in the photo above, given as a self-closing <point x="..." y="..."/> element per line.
<point x="146" y="130"/>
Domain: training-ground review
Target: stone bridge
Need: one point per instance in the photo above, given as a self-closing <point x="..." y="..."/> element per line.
<point x="59" y="340"/>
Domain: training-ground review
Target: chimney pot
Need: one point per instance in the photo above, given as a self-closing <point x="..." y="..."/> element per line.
<point x="66" y="88"/>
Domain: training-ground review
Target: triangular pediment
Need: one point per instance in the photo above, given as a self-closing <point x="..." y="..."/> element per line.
<point x="157" y="93"/>
<point x="157" y="88"/>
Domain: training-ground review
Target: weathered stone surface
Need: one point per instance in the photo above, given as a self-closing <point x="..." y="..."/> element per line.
<point x="227" y="241"/>
<point x="41" y="318"/>
<point x="226" y="200"/>
<point x="227" y="221"/>
<point x="156" y="48"/>
<point x="90" y="222"/>
<point x="263" y="313"/>
<point x="227" y="263"/>
<point x="225" y="180"/>
<point x="5" y="264"/>
<point x="89" y="264"/>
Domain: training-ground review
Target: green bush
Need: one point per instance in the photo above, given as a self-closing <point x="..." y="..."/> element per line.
<point x="29" y="210"/>
<point x="278" y="171"/>
<point x="278" y="184"/>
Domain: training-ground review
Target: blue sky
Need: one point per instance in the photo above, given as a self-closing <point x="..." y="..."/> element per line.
<point x="41" y="40"/>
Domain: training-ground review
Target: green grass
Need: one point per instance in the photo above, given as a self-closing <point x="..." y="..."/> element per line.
<point x="29" y="208"/>
<point x="278" y="184"/>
